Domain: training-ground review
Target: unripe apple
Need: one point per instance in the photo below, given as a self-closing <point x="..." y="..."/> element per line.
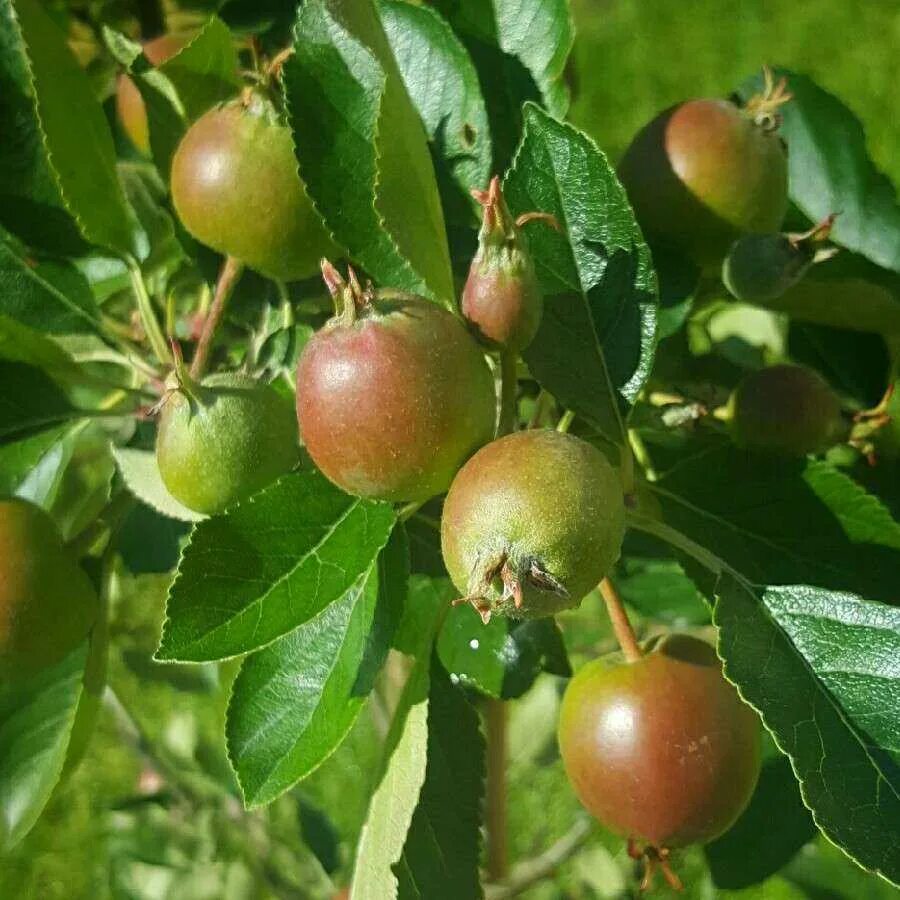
<point x="704" y="172"/>
<point x="236" y="188"/>
<point x="224" y="439"/>
<point x="47" y="603"/>
<point x="130" y="106"/>
<point x="785" y="409"/>
<point x="532" y="523"/>
<point x="393" y="394"/>
<point x="501" y="297"/>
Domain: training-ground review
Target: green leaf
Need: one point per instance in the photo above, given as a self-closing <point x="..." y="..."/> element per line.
<point x="294" y="701"/>
<point x="659" y="589"/>
<point x="31" y="400"/>
<point x="520" y="48"/>
<point x="405" y="752"/>
<point x="503" y="658"/>
<point x="393" y="578"/>
<point x="821" y="668"/>
<point x="441" y="853"/>
<point x="48" y="295"/>
<point x="362" y="148"/>
<point x="140" y="472"/>
<point x="30" y="202"/>
<point x="269" y="565"/>
<point x="752" y="850"/>
<point x="205" y="72"/>
<point x="855" y="363"/>
<point x="595" y="346"/>
<point x="443" y="85"/>
<point x="780" y="521"/>
<point x="156" y="241"/>
<point x="28" y="467"/>
<point x="830" y="171"/>
<point x="36" y="719"/>
<point x="150" y="542"/>
<point x="846" y="291"/>
<point x="391" y="810"/>
<point x="76" y="135"/>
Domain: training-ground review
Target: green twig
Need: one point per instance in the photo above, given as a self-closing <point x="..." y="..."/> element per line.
<point x="148" y="315"/>
<point x="509" y="384"/>
<point x="565" y="421"/>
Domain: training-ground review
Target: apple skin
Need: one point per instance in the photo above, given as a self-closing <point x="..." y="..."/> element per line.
<point x="47" y="602"/>
<point x="701" y="174"/>
<point x="236" y="188"/>
<point x="661" y="750"/>
<point x="391" y="404"/>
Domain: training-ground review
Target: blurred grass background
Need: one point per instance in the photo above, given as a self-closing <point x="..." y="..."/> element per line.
<point x="634" y="58"/>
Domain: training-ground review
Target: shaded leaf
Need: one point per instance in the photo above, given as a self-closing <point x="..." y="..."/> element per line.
<point x="76" y="135"/>
<point x="443" y="844"/>
<point x="503" y="658"/>
<point x="30" y="401"/>
<point x="822" y="669"/>
<point x="293" y="701"/>
<point x="49" y="295"/>
<point x="36" y="719"/>
<point x="141" y="474"/>
<point x="520" y="48"/>
<point x="595" y="345"/>
<point x="783" y="521"/>
<point x="268" y="565"/>
<point x="30" y="201"/>
<point x="752" y="849"/>
<point x="443" y="85"/>
<point x="830" y="171"/>
<point x="362" y="148"/>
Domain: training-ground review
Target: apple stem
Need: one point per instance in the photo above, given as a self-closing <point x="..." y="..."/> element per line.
<point x="229" y="275"/>
<point x="508" y="389"/>
<point x="621" y="625"/>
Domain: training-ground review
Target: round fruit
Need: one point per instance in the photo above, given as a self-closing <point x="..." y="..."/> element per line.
<point x="236" y="188"/>
<point x="785" y="409"/>
<point x="393" y="394"/>
<point x="532" y="523"/>
<point x="704" y="172"/>
<point x="223" y="440"/>
<point x="501" y="297"/>
<point x="660" y="750"/>
<point x="130" y="106"/>
<point x="47" y="603"/>
<point x="761" y="267"/>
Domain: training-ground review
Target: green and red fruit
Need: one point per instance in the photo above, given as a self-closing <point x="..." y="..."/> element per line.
<point x="661" y="750"/>
<point x="785" y="409"/>
<point x="706" y="171"/>
<point x="501" y="297"/>
<point x="532" y="523"/>
<point x="47" y="603"/>
<point x="223" y="439"/>
<point x="130" y="106"/>
<point x="760" y="267"/>
<point x="236" y="188"/>
<point x="393" y="394"/>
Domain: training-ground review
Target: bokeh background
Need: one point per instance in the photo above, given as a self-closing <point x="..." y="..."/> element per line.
<point x="635" y="57"/>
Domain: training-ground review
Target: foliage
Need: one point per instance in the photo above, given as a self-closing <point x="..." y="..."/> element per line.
<point x="279" y="700"/>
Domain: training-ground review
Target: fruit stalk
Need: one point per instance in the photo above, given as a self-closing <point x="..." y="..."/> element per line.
<point x="621" y="624"/>
<point x="508" y="388"/>
<point x="229" y="276"/>
<point x="148" y="316"/>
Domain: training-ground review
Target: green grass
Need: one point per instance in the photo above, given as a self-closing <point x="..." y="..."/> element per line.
<point x="636" y="57"/>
